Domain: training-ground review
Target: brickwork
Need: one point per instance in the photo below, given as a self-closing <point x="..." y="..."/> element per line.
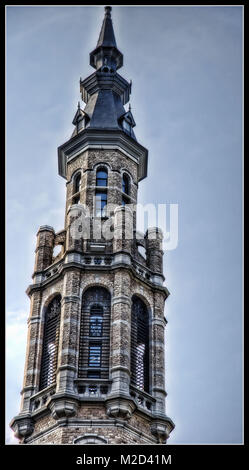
<point x="88" y="422"/>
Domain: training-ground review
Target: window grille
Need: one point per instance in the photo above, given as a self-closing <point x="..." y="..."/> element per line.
<point x="139" y="345"/>
<point x="94" y="348"/>
<point x="50" y="343"/>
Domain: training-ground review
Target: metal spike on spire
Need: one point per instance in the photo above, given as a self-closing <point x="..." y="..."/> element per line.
<point x="107" y="37"/>
<point x="106" y="49"/>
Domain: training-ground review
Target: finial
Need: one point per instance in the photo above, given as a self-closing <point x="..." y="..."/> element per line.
<point x="78" y="105"/>
<point x="129" y="106"/>
<point x="108" y="11"/>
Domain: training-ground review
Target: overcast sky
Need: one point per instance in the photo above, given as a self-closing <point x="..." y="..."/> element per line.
<point x="186" y="69"/>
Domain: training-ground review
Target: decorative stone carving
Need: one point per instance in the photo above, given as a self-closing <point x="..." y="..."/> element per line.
<point x="62" y="407"/>
<point x="22" y="426"/>
<point x="117" y="407"/>
<point x="161" y="429"/>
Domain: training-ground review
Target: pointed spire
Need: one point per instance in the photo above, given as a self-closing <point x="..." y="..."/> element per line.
<point x="106" y="52"/>
<point x="107" y="37"/>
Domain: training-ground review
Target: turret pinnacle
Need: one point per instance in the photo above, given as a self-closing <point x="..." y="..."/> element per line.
<point x="106" y="52"/>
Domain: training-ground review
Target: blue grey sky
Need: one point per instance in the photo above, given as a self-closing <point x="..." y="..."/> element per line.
<point x="186" y="68"/>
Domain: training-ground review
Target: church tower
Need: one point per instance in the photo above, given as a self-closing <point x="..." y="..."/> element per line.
<point x="94" y="370"/>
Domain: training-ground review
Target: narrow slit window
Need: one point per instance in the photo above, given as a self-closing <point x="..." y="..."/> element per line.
<point x="125" y="184"/>
<point x="77" y="183"/>
<point x="50" y="343"/>
<point x="139" y="345"/>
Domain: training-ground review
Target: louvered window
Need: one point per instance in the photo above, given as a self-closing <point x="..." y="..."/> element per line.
<point x="96" y="320"/>
<point x="50" y="343"/>
<point x="94" y="347"/>
<point x="94" y="359"/>
<point x="139" y="345"/>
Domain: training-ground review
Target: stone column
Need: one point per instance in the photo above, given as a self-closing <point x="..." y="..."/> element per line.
<point x="120" y="333"/>
<point x="33" y="352"/>
<point x="122" y="237"/>
<point x="63" y="403"/>
<point x="22" y="424"/>
<point x="158" y="354"/>
<point x="154" y="252"/>
<point x="119" y="402"/>
<point x="161" y="425"/>
<point x="74" y="229"/>
<point x="44" y="247"/>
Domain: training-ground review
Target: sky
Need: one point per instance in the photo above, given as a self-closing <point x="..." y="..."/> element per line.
<point x="186" y="69"/>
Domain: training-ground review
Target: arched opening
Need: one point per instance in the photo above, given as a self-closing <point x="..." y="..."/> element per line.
<point x="50" y="343"/>
<point x="94" y="347"/>
<point x="139" y="344"/>
<point x="77" y="181"/>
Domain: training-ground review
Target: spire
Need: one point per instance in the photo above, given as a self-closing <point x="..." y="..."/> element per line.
<point x="106" y="52"/>
<point x="107" y="37"/>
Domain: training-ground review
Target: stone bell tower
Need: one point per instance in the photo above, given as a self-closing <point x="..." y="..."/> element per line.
<point x="94" y="371"/>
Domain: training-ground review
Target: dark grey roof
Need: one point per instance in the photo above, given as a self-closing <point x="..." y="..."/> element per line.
<point x="104" y="109"/>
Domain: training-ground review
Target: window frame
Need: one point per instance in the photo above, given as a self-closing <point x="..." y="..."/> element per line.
<point x="101" y="179"/>
<point x="100" y="211"/>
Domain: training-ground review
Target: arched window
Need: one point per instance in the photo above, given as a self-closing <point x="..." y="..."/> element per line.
<point x="101" y="177"/>
<point x="50" y="343"/>
<point x="126" y="184"/>
<point x="139" y="344"/>
<point x="77" y="181"/>
<point x="94" y="345"/>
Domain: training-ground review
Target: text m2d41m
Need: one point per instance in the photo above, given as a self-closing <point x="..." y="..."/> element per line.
<point x="140" y="459"/>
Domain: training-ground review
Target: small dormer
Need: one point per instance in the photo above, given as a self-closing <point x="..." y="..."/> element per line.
<point x="127" y="123"/>
<point x="79" y="121"/>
